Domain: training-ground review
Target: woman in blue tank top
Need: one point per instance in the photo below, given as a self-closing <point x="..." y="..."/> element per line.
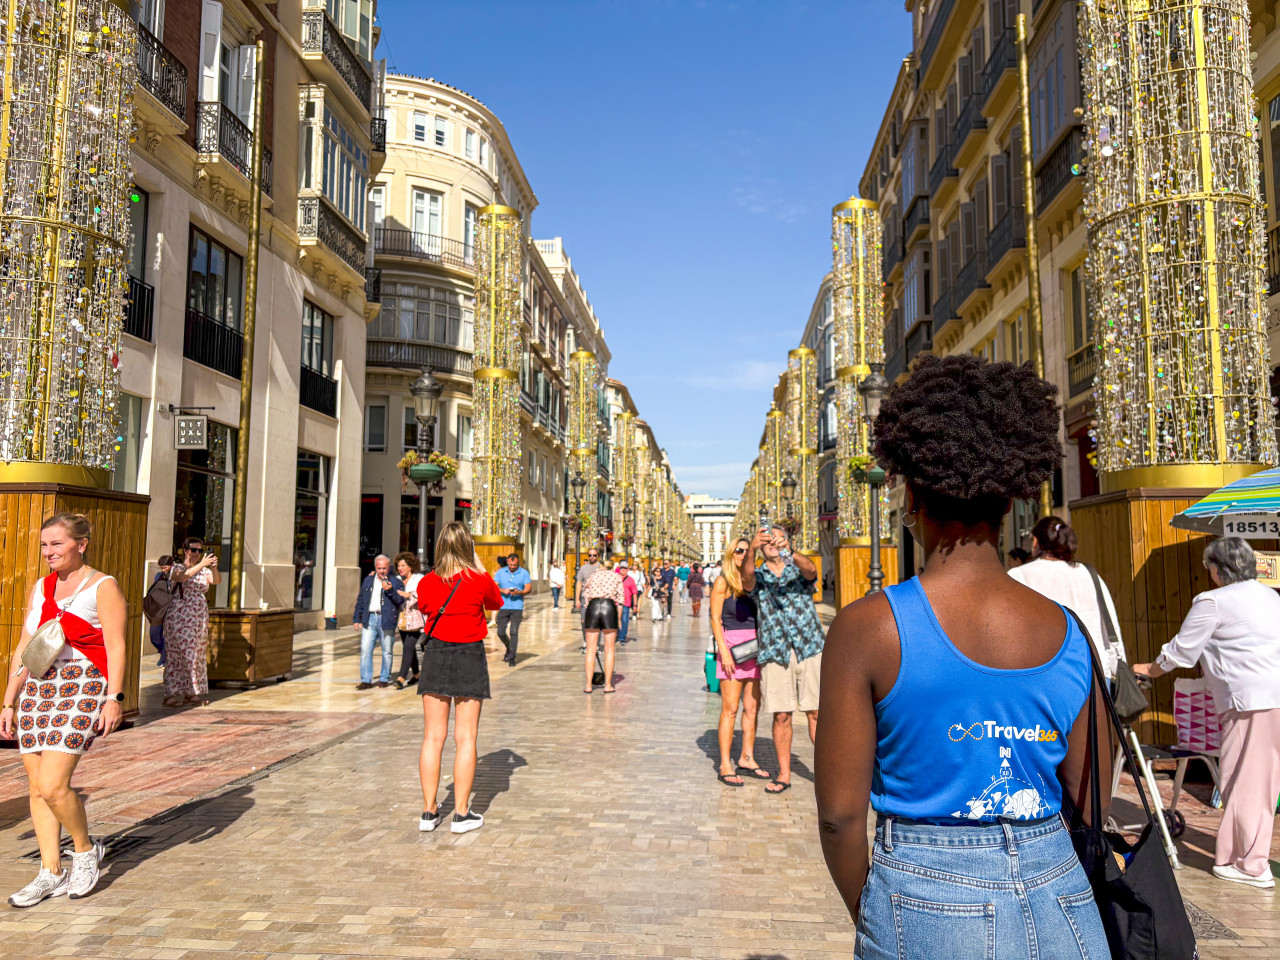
<point x="954" y="704"/>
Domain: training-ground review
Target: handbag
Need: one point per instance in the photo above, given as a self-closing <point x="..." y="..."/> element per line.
<point x="1130" y="699"/>
<point x="1142" y="911"/>
<point x="411" y="618"/>
<point x="46" y="643"/>
<point x="745" y="651"/>
<point x="439" y="613"/>
<point x="155" y="604"/>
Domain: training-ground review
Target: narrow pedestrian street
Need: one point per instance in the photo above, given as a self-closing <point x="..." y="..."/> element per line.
<point x="282" y="822"/>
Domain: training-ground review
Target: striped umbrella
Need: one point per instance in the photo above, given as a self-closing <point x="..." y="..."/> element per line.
<point x="1259" y="493"/>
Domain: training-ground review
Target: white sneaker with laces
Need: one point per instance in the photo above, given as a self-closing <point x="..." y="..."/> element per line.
<point x="46" y="884"/>
<point x="429" y="821"/>
<point x="85" y="871"/>
<point x="1263" y="880"/>
<point x="465" y="823"/>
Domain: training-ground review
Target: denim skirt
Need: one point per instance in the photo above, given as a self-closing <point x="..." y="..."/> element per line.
<point x="454" y="670"/>
<point x="1012" y="890"/>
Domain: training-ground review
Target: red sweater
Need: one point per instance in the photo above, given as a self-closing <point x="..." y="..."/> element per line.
<point x="463" y="620"/>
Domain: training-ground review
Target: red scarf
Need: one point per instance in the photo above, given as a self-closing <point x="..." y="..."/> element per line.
<point x="80" y="633"/>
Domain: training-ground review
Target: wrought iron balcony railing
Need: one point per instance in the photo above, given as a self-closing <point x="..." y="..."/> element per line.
<point x="972" y="278"/>
<point x="220" y="131"/>
<point x="1082" y="367"/>
<point x="316" y="218"/>
<point x="414" y="355"/>
<point x="1054" y="171"/>
<point x="399" y="242"/>
<point x="161" y="73"/>
<point x="1273" y="260"/>
<point x="1009" y="232"/>
<point x="321" y="35"/>
<point x="919" y="340"/>
<point x="138" y="309"/>
<point x="372" y="285"/>
<point x="936" y="31"/>
<point x="943" y="307"/>
<point x="378" y="134"/>
<point x="970" y="119"/>
<point x="1004" y="56"/>
<point x="893" y="254"/>
<point x="213" y="344"/>
<point x="917" y="215"/>
<point x="942" y="169"/>
<point x="318" y="392"/>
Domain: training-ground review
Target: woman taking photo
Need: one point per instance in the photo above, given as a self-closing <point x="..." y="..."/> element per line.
<point x="1233" y="632"/>
<point x="697" y="584"/>
<point x="453" y="599"/>
<point x="186" y="626"/>
<point x="956" y="703"/>
<point x="733" y="621"/>
<point x="410" y="621"/>
<point x="602" y="597"/>
<point x="59" y="713"/>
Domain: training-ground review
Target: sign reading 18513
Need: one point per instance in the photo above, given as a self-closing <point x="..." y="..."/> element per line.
<point x="1260" y="526"/>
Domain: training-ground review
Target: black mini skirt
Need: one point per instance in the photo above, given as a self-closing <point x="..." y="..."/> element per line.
<point x="601" y="614"/>
<point x="454" y="670"/>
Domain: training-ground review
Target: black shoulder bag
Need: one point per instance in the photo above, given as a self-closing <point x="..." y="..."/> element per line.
<point x="1130" y="699"/>
<point x="156" y="601"/>
<point x="1133" y="885"/>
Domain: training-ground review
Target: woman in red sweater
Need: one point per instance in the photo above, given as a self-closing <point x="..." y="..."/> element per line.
<point x="454" y="599"/>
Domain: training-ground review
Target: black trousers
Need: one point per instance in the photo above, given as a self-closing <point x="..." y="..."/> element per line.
<point x="409" y="640"/>
<point x="509" y="619"/>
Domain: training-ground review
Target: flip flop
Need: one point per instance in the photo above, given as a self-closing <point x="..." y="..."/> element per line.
<point x="782" y="787"/>
<point x="724" y="778"/>
<point x="755" y="771"/>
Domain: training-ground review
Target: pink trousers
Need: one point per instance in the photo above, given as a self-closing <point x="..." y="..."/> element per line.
<point x="1250" y="768"/>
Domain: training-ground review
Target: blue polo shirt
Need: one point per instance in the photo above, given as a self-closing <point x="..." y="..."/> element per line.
<point x="507" y="580"/>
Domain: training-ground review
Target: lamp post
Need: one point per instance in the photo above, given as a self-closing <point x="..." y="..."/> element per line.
<point x="579" y="484"/>
<point x="788" y="491"/>
<point x="628" y="535"/>
<point x="873" y="389"/>
<point x="426" y="392"/>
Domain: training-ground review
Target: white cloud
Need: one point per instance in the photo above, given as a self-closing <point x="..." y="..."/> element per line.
<point x="744" y="375"/>
<point x="763" y="196"/>
<point x="717" y="480"/>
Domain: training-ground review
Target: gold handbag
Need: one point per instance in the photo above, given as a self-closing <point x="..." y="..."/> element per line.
<point x="46" y="643"/>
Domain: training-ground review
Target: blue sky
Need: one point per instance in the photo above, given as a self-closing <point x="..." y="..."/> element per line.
<point x="689" y="152"/>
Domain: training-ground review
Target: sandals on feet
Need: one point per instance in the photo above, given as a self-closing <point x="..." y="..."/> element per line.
<point x="731" y="780"/>
<point x="782" y="787"/>
<point x="755" y="771"/>
<point x="172" y="701"/>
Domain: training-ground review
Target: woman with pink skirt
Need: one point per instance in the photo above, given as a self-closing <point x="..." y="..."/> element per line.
<point x="733" y="622"/>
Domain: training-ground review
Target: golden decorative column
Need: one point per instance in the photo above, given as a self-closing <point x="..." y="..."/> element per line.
<point x="774" y="461"/>
<point x="802" y="449"/>
<point x="623" y="484"/>
<point x="499" y="344"/>
<point x="584" y="434"/>
<point x="1176" y="297"/>
<point x="65" y="129"/>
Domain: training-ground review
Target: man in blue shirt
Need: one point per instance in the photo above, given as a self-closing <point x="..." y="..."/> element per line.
<point x="377" y="609"/>
<point x="513" y="583"/>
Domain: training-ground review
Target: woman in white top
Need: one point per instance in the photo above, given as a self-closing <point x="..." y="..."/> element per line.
<point x="411" y="620"/>
<point x="58" y="714"/>
<point x="1233" y="632"/>
<point x="556" y="576"/>
<point x="1054" y="573"/>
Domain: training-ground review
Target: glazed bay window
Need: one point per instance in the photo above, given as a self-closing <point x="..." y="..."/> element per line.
<point x="1082" y="357"/>
<point x="333" y="182"/>
<point x="346" y="170"/>
<point x="310" y="525"/>
<point x="423" y="314"/>
<point x="317" y="389"/>
<point x="354" y="20"/>
<point x="214" y="305"/>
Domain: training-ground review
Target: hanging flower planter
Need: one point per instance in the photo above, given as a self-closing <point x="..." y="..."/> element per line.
<point x="433" y="471"/>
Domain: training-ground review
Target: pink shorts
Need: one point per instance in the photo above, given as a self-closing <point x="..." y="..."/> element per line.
<point x="741" y="671"/>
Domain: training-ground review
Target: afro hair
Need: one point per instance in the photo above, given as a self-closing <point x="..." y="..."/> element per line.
<point x="966" y="431"/>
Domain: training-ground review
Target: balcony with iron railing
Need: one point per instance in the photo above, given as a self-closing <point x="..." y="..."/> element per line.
<point x="161" y="73"/>
<point x="893" y="251"/>
<point x="1055" y="170"/>
<point x="1273" y="260"/>
<point x="318" y="392"/>
<point x="1002" y="66"/>
<point x="319" y="222"/>
<point x="138" y="309"/>
<point x="944" y="307"/>
<point x="212" y="343"/>
<point x="323" y="43"/>
<point x="895" y="364"/>
<point x="919" y="340"/>
<point x="917" y="218"/>
<point x="966" y="133"/>
<point x="378" y="134"/>
<point x="1009" y="233"/>
<point x="399" y="242"/>
<point x="415" y="355"/>
<point x="220" y="133"/>
<point x="1082" y="367"/>
<point x="971" y="278"/>
<point x="943" y="169"/>
<point x="937" y="30"/>
<point x="372" y="285"/>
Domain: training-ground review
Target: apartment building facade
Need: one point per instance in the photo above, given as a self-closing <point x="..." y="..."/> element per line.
<point x="712" y="524"/>
<point x="184" y="326"/>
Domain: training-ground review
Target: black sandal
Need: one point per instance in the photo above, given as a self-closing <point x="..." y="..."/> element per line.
<point x="759" y="772"/>
<point x="399" y="683"/>
<point x="782" y="787"/>
<point x="724" y="778"/>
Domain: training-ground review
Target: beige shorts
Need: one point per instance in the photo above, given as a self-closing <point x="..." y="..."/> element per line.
<point x="786" y="689"/>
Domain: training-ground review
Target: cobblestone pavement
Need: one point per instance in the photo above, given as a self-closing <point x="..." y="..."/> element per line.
<point x="606" y="834"/>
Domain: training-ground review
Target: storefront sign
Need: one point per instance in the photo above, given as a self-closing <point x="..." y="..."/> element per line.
<point x="191" y="431"/>
<point x="1258" y="526"/>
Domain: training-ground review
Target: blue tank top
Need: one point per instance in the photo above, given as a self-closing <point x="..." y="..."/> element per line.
<point x="958" y="741"/>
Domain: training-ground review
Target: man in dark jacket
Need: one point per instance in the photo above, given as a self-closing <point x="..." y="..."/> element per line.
<point x="377" y="609"/>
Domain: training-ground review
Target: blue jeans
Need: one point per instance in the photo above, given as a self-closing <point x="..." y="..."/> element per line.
<point x="370" y="634"/>
<point x="622" y="624"/>
<point x="555" y="598"/>
<point x="1012" y="890"/>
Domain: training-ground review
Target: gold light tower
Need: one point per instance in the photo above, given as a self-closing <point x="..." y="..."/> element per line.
<point x="802" y="444"/>
<point x="623" y="479"/>
<point x="775" y="461"/>
<point x="499" y="343"/>
<point x="584" y="434"/>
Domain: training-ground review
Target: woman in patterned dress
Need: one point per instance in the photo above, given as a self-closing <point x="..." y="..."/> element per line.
<point x="602" y="598"/>
<point x="59" y="714"/>
<point x="186" y="626"/>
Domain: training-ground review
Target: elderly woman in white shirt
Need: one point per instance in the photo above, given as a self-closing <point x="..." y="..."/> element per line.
<point x="1233" y="632"/>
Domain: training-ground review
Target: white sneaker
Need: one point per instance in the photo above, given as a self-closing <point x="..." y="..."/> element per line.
<point x="46" y="884"/>
<point x="1228" y="872"/>
<point x="429" y="821"/>
<point x="466" y="822"/>
<point x="84" y="871"/>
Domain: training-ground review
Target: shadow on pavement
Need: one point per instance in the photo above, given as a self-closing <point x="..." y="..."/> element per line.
<point x="493" y="776"/>
<point x="766" y="755"/>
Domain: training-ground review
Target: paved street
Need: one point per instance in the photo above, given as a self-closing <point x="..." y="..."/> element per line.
<point x="282" y="822"/>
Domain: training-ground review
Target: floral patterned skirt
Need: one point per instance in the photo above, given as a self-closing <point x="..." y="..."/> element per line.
<point x="59" y="711"/>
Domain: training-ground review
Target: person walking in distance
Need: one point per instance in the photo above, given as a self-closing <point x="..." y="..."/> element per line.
<point x="658" y="595"/>
<point x="733" y="622"/>
<point x="156" y="632"/>
<point x="790" y="639"/>
<point x="377" y="609"/>
<point x="409" y="621"/>
<point x="454" y="599"/>
<point x="669" y="579"/>
<point x="697" y="584"/>
<point x="514" y="583"/>
<point x="682" y="581"/>
<point x="186" y="624"/>
<point x="580" y="577"/>
<point x="556" y="578"/>
<point x="59" y="713"/>
<point x="629" y="594"/>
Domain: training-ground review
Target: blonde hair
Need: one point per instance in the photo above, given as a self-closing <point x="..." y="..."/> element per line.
<point x="455" y="550"/>
<point x="76" y="524"/>
<point x="729" y="567"/>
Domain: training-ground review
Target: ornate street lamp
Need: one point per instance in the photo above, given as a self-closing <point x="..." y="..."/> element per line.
<point x="873" y="388"/>
<point x="579" y="484"/>
<point x="788" y="491"/>
<point x="426" y="392"/>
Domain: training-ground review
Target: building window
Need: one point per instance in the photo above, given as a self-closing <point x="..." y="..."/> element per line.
<point x="1016" y="340"/>
<point x="442" y="132"/>
<point x="375" y="428"/>
<point x="317" y="339"/>
<point x="214" y="280"/>
<point x="124" y="475"/>
<point x="139" y="201"/>
<point x="419" y="127"/>
<point x="470" y="145"/>
<point x="428" y="207"/>
<point x="203" y="496"/>
<point x="468" y="231"/>
<point x="310" y="516"/>
<point x="1081" y="322"/>
<point x="346" y="170"/>
<point x="378" y="199"/>
<point x="484" y="153"/>
<point x="410" y="429"/>
<point x="354" y="19"/>
<point x="1054" y="69"/>
<point x="463" y="435"/>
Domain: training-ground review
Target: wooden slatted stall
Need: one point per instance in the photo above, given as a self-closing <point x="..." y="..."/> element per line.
<point x="852" y="565"/>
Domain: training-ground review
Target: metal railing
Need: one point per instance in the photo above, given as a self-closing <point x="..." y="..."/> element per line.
<point x="1054" y="171"/>
<point x="943" y="309"/>
<point x="220" y="131"/>
<point x="894" y="251"/>
<point x="1009" y="232"/>
<point x="936" y="30"/>
<point x="138" y="309"/>
<point x="919" y="340"/>
<point x="378" y="134"/>
<point x="372" y="285"/>
<point x="1004" y="56"/>
<point x="321" y="35"/>
<point x="970" y="119"/>
<point x="896" y="364"/>
<point x="318" y="392"/>
<point x="161" y="73"/>
<point x="212" y="343"/>
<point x="917" y="215"/>
<point x="399" y="242"/>
<point x="942" y="170"/>
<point x="972" y="277"/>
<point x="1082" y="367"/>
<point x="1273" y="260"/>
<point x="318" y="220"/>
<point x="409" y="354"/>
